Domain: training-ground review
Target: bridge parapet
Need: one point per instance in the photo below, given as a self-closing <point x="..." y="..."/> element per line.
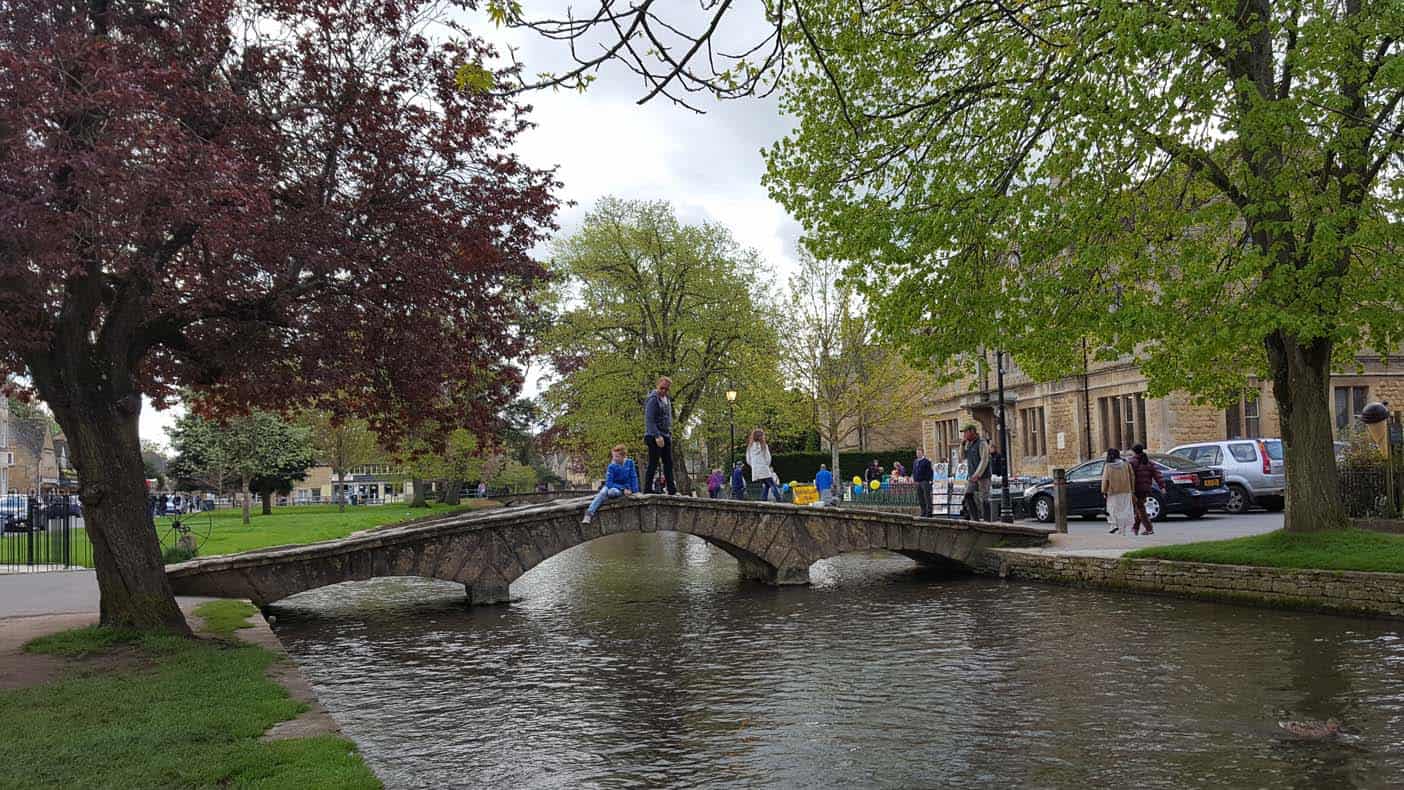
<point x="487" y="550"/>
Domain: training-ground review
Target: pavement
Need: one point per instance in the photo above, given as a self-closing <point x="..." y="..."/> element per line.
<point x="1090" y="538"/>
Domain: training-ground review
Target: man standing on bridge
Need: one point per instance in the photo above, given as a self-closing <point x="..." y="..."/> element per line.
<point x="923" y="473"/>
<point x="975" y="451"/>
<point x="658" y="434"/>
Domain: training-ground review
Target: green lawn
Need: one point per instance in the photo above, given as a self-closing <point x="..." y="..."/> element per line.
<point x="1336" y="550"/>
<point x="137" y="710"/>
<point x="286" y="526"/>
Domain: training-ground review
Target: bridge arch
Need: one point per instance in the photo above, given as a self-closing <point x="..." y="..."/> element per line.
<point x="488" y="550"/>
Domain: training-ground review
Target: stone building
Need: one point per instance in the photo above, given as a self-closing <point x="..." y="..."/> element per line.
<point x="1064" y="422"/>
<point x="370" y="482"/>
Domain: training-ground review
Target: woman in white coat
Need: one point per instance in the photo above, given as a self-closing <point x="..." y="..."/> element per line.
<point x="758" y="458"/>
<point x="1119" y="486"/>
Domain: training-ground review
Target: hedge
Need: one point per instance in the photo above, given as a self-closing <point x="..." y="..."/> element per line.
<point x="801" y="467"/>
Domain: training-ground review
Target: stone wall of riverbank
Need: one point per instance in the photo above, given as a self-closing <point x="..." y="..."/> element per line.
<point x="1338" y="592"/>
<point x="1394" y="526"/>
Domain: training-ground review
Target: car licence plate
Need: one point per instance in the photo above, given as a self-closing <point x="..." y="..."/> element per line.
<point x="1211" y="482"/>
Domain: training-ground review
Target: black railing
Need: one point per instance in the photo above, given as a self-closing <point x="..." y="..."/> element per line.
<point x="43" y="533"/>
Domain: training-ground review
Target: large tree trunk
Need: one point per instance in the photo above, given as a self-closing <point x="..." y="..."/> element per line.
<point x="417" y="486"/>
<point x="268" y="503"/>
<point x="681" y="479"/>
<point x="338" y="494"/>
<point x="1301" y="376"/>
<point x="453" y="492"/>
<point x="131" y="576"/>
<point x="245" y="495"/>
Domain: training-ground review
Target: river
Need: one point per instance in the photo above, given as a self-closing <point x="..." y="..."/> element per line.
<point x="642" y="661"/>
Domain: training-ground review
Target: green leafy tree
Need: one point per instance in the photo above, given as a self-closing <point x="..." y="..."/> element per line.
<point x="832" y="354"/>
<point x="244" y="448"/>
<point x="1212" y="188"/>
<point x="342" y="444"/>
<point x="650" y="296"/>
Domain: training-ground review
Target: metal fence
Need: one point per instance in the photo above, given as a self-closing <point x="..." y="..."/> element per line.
<point x="1366" y="490"/>
<point x="42" y="533"/>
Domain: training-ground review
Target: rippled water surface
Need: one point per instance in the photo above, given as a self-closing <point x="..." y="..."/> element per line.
<point x="641" y="661"/>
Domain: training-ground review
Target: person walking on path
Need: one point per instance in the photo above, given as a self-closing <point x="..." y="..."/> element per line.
<point x="621" y="478"/>
<point x="1118" y="485"/>
<point x="758" y="457"/>
<point x="824" y="482"/>
<point x="923" y="474"/>
<point x="658" y="433"/>
<point x="975" y="451"/>
<point x="1147" y="480"/>
<point x="714" y="483"/>
<point x="738" y="481"/>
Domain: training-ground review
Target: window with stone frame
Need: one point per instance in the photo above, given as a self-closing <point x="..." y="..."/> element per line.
<point x="1123" y="420"/>
<point x="947" y="440"/>
<point x="1350" y="402"/>
<point x="1241" y="420"/>
<point x="1033" y="430"/>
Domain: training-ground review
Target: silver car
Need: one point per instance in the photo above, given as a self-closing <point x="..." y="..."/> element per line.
<point x="1253" y="470"/>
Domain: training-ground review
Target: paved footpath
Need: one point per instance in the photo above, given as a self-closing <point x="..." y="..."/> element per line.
<point x="1090" y="538"/>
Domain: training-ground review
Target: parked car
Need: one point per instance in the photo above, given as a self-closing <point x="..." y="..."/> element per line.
<point x="1191" y="489"/>
<point x="65" y="507"/>
<point x="1253" y="470"/>
<point x="14" y="513"/>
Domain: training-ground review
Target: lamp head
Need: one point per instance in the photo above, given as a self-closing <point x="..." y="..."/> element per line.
<point x="731" y="396"/>
<point x="1376" y="418"/>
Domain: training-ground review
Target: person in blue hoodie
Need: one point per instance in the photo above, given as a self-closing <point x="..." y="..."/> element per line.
<point x="738" y="481"/>
<point x="621" y="478"/>
<point x="824" y="482"/>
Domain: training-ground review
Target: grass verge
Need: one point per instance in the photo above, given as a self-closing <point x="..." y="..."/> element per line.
<point x="225" y="616"/>
<point x="142" y="710"/>
<point x="1335" y="550"/>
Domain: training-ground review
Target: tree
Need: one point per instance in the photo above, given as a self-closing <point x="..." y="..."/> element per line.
<point x="831" y="353"/>
<point x="341" y="443"/>
<point x="1005" y="181"/>
<point x="1214" y="188"/>
<point x="260" y="451"/>
<point x="227" y="198"/>
<point x="652" y="297"/>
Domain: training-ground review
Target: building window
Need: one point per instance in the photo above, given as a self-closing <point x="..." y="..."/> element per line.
<point x="1035" y="437"/>
<point x="1123" y="420"/>
<point x="1241" y="419"/>
<point x="1350" y="401"/>
<point x="947" y="440"/>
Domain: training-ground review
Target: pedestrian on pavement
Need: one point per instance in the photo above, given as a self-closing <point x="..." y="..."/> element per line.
<point x="621" y="479"/>
<point x="1148" y="479"/>
<point x="824" y="482"/>
<point x="738" y="481"/>
<point x="923" y="474"/>
<point x="758" y="458"/>
<point x="714" y="483"/>
<point x="658" y="433"/>
<point x="1118" y="485"/>
<point x="975" y="451"/>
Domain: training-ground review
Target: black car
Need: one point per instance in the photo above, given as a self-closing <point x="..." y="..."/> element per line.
<point x="1191" y="489"/>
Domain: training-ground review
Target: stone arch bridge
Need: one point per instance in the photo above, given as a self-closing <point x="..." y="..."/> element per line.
<point x="487" y="550"/>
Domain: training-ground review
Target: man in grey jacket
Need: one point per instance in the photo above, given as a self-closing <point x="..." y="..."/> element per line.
<point x="658" y="434"/>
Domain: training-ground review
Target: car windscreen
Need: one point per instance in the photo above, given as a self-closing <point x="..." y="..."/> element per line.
<point x="1274" y="449"/>
<point x="1175" y="461"/>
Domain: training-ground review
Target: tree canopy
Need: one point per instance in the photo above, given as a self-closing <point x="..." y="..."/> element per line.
<point x="259" y="451"/>
<point x="275" y="203"/>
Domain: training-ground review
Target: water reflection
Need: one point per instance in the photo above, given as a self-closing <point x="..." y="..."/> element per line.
<point x="641" y="660"/>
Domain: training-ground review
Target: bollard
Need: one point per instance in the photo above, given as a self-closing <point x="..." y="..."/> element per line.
<point x="1060" y="499"/>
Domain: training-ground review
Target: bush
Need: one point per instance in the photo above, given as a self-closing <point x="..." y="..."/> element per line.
<point x="801" y="467"/>
<point x="175" y="554"/>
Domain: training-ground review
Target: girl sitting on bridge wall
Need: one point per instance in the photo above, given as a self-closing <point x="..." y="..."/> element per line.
<point x="621" y="477"/>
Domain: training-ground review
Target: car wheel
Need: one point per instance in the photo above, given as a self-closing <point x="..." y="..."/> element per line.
<point x="1238" y="499"/>
<point x="1043" y="508"/>
<point x="1155" y="510"/>
<point x="1195" y="513"/>
<point x="1275" y="505"/>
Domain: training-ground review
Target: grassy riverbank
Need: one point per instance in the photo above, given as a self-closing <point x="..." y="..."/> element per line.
<point x="134" y="710"/>
<point x="1336" y="550"/>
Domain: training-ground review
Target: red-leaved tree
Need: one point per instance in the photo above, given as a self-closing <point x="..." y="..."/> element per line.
<point x="272" y="203"/>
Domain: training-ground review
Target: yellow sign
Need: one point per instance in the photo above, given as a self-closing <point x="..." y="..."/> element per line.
<point x="805" y="494"/>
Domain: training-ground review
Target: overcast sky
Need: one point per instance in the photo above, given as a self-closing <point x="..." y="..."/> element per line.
<point x="709" y="166"/>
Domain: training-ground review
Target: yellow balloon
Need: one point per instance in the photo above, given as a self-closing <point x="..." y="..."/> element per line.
<point x="857" y="480"/>
<point x="875" y="485"/>
<point x="793" y="484"/>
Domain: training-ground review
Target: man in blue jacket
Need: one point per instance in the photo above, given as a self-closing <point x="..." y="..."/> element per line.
<point x="621" y="477"/>
<point x="658" y="433"/>
<point x="923" y="473"/>
<point x="824" y="482"/>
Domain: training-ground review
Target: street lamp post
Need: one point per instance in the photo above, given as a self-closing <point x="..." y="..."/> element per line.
<point x="731" y="417"/>
<point x="1006" y="508"/>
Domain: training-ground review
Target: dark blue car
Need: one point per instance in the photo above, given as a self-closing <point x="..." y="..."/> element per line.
<point x="1191" y="489"/>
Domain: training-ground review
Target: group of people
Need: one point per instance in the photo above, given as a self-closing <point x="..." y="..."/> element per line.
<point x="1126" y="484"/>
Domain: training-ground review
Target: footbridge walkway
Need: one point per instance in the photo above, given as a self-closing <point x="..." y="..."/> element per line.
<point x="487" y="550"/>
